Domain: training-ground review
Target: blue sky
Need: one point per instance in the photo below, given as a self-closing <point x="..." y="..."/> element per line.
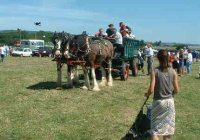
<point x="151" y="20"/>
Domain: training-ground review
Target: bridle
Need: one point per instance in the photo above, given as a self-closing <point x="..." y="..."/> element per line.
<point x="79" y="48"/>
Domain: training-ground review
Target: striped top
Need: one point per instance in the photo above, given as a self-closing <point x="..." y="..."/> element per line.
<point x="163" y="84"/>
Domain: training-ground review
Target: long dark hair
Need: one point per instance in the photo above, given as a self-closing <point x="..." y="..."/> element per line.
<point x="163" y="59"/>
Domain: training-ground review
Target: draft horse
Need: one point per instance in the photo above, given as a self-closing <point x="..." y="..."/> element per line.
<point x="61" y="43"/>
<point x="94" y="53"/>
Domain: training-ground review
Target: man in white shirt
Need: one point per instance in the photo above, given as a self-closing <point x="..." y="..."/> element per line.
<point x="2" y="52"/>
<point x="150" y="54"/>
<point x="119" y="50"/>
<point x="189" y="62"/>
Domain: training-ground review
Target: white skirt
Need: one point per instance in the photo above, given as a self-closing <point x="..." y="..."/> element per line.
<point x="163" y="117"/>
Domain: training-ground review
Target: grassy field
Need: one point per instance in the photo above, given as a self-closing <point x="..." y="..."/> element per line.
<point x="32" y="109"/>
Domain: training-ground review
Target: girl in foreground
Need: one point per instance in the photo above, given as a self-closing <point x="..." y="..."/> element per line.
<point x="164" y="85"/>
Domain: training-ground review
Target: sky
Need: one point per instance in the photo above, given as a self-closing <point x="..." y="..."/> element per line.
<point x="151" y="20"/>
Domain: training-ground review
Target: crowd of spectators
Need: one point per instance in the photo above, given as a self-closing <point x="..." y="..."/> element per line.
<point x="182" y="60"/>
<point x="4" y="51"/>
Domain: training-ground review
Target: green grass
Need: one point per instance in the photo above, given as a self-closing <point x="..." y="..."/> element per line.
<point x="32" y="109"/>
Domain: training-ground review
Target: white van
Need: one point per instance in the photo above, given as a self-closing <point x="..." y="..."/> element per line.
<point x="31" y="43"/>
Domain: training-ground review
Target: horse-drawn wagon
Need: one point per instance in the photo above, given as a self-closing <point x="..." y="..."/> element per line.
<point x="126" y="61"/>
<point x="89" y="54"/>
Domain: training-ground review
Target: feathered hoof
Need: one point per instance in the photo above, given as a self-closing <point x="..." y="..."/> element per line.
<point x="84" y="87"/>
<point x="110" y="84"/>
<point x="96" y="89"/>
<point x="103" y="83"/>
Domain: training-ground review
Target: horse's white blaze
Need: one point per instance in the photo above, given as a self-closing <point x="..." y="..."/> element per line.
<point x="66" y="54"/>
<point x="57" y="52"/>
<point x="95" y="84"/>
<point x="58" y="45"/>
<point x="103" y="79"/>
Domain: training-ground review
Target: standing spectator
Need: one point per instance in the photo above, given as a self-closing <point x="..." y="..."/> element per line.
<point x="185" y="56"/>
<point x="111" y="31"/>
<point x="194" y="55"/>
<point x="2" y="53"/>
<point x="141" y="60"/>
<point x="123" y="29"/>
<point x="101" y="33"/>
<point x="11" y="50"/>
<point x="181" y="61"/>
<point x="150" y="55"/>
<point x="164" y="85"/>
<point x="175" y="63"/>
<point x="7" y="50"/>
<point x="145" y="52"/>
<point x="189" y="62"/>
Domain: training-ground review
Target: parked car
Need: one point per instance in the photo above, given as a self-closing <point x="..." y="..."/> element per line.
<point x="22" y="52"/>
<point x="42" y="51"/>
<point x="35" y="52"/>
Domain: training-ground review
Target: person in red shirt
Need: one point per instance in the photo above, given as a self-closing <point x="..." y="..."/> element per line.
<point x="123" y="29"/>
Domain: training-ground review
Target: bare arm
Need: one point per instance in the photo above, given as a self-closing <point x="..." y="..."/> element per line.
<point x="152" y="84"/>
<point x="175" y="83"/>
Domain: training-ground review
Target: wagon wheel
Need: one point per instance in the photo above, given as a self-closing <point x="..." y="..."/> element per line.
<point x="134" y="68"/>
<point x="124" y="71"/>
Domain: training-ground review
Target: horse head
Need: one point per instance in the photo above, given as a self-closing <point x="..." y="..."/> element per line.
<point x="81" y="44"/>
<point x="61" y="44"/>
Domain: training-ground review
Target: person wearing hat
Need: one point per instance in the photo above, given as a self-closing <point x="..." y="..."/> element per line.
<point x="111" y="32"/>
<point x="123" y="29"/>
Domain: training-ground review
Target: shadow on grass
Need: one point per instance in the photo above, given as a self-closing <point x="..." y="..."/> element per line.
<point x="52" y="85"/>
<point x="43" y="85"/>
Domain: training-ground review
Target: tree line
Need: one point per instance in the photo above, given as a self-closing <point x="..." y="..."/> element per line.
<point x="10" y="37"/>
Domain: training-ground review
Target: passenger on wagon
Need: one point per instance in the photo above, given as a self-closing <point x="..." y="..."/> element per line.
<point x="101" y="33"/>
<point x="123" y="29"/>
<point x="111" y="31"/>
<point x="119" y="50"/>
<point x="130" y="35"/>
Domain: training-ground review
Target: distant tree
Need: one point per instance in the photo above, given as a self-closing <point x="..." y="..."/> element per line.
<point x="179" y="46"/>
<point x="11" y="36"/>
<point x="157" y="43"/>
<point x="142" y="43"/>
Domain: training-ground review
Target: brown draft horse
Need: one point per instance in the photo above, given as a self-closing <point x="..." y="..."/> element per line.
<point x="93" y="52"/>
<point x="61" y="43"/>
